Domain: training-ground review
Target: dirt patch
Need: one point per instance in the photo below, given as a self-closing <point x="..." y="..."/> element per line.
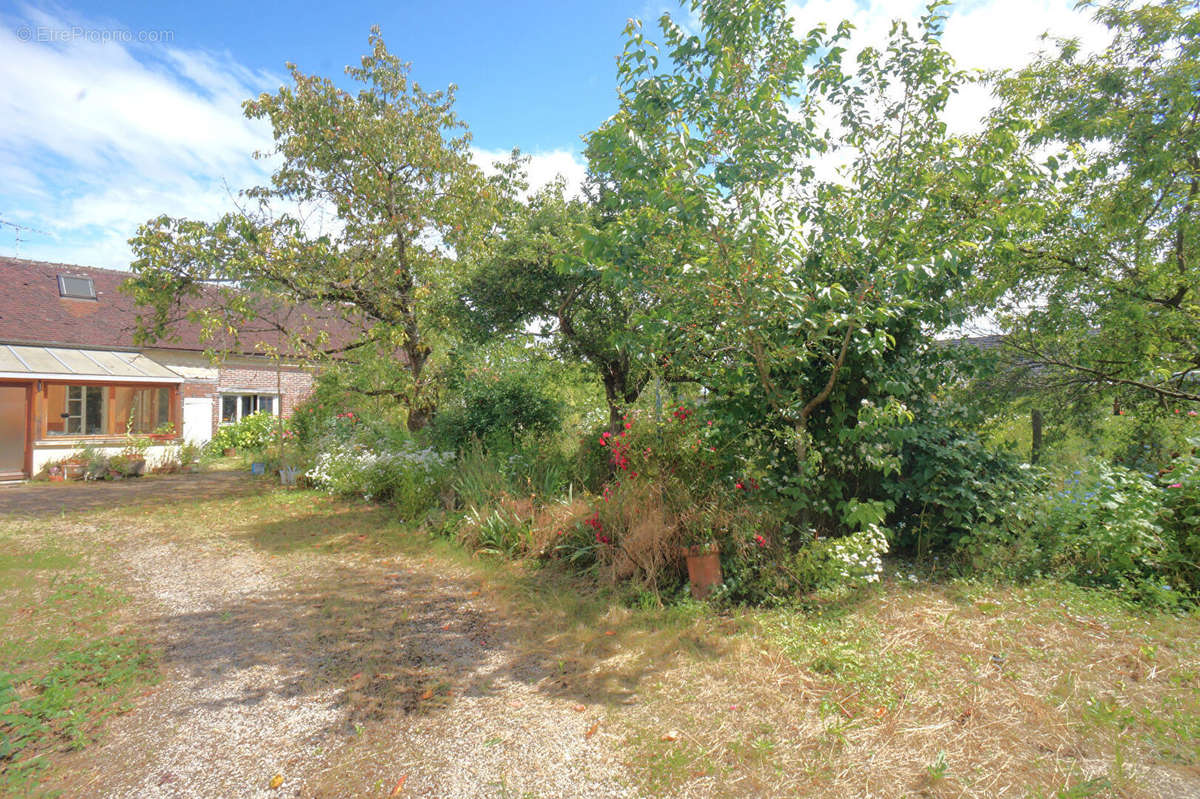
<point x="41" y="500"/>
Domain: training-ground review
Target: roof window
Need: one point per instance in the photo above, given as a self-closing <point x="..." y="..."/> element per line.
<point x="76" y="288"/>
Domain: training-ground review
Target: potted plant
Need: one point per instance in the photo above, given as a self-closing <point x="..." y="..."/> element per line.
<point x="704" y="567"/>
<point x="189" y="457"/>
<point x="134" y="456"/>
<point x="164" y="432"/>
<point x="74" y="466"/>
<point x="701" y="552"/>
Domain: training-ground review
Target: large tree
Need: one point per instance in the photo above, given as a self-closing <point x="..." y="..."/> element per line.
<point x="1102" y="291"/>
<point x="811" y="229"/>
<point x="536" y="278"/>
<point x="387" y="173"/>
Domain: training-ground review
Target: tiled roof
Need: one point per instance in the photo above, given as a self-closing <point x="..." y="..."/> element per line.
<point x="32" y="312"/>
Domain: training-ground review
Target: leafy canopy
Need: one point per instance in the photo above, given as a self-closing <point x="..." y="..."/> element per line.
<point x="373" y="198"/>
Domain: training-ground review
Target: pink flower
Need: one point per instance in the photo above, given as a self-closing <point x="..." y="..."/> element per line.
<point x="758" y="539"/>
<point x="1175" y="485"/>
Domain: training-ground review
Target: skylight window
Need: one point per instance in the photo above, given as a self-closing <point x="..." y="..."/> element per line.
<point x="77" y="288"/>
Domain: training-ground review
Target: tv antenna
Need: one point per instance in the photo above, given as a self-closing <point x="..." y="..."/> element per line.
<point x="17" y="230"/>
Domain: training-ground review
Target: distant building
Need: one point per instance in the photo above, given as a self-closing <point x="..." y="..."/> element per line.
<point x="71" y="375"/>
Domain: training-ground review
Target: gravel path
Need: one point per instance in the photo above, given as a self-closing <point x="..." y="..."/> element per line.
<point x="345" y="678"/>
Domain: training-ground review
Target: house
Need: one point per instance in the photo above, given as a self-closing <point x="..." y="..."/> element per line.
<point x="71" y="374"/>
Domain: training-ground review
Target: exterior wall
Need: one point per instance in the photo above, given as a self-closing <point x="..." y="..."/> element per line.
<point x="238" y="374"/>
<point x="200" y="379"/>
<point x="45" y="451"/>
<point x="245" y="376"/>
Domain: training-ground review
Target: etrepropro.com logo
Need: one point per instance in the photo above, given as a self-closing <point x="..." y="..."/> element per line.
<point x="75" y="33"/>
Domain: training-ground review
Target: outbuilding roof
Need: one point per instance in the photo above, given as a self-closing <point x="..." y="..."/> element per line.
<point x="35" y="309"/>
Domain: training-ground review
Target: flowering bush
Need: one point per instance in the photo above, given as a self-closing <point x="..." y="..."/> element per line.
<point x="256" y="431"/>
<point x="407" y="476"/>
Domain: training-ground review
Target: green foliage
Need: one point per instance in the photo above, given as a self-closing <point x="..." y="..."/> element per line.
<point x="254" y="432"/>
<point x="494" y="407"/>
<point x="1181" y="520"/>
<point x="1106" y="526"/>
<point x="499" y="532"/>
<point x="65" y="705"/>
<point x="949" y="482"/>
<point x="408" y="477"/>
<point x="799" y="302"/>
<point x="1105" y="220"/>
<point x="393" y="162"/>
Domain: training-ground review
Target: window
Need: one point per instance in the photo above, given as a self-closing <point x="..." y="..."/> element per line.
<point x="84" y="414"/>
<point x="78" y="288"/>
<point x="235" y="407"/>
<point x="106" y="410"/>
<point x="141" y="410"/>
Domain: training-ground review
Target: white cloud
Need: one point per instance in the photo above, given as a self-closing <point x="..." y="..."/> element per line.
<point x="100" y="136"/>
<point x="991" y="35"/>
<point x="542" y="168"/>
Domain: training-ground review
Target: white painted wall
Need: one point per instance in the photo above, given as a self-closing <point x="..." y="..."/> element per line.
<point x="45" y="452"/>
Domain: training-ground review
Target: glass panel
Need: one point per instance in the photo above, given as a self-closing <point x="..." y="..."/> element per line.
<point x="95" y="411"/>
<point x="162" y="407"/>
<point x="80" y="287"/>
<point x="74" y="410"/>
<point x="228" y="409"/>
<point x="248" y="405"/>
<point x="136" y="409"/>
<point x="266" y="404"/>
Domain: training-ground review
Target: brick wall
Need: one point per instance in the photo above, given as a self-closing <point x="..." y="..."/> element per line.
<point x="294" y="384"/>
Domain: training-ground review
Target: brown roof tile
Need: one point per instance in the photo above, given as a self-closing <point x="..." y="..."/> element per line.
<point x="32" y="312"/>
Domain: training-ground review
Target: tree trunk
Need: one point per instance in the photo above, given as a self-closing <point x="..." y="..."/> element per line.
<point x="614" y="395"/>
<point x="1035" y="421"/>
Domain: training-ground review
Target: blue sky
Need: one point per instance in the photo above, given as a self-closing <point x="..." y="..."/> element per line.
<point x="535" y="73"/>
<point x="116" y="112"/>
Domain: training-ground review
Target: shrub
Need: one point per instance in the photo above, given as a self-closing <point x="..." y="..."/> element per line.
<point x="409" y="477"/>
<point x="1181" y="520"/>
<point x="1104" y="526"/>
<point x="256" y="431"/>
<point x="949" y="484"/>
<point x="502" y="408"/>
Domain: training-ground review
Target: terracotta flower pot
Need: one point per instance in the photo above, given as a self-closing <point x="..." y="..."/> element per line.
<point x="229" y="452"/>
<point x="704" y="568"/>
<point x="73" y="470"/>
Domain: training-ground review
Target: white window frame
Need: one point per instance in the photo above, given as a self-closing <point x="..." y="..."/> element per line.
<point x="81" y="416"/>
<point x="238" y="395"/>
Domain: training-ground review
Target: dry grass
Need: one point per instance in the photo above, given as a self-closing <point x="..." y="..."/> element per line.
<point x="936" y="690"/>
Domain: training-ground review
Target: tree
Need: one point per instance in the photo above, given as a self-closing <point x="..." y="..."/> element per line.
<point x="1102" y="288"/>
<point x="391" y="166"/>
<point x="803" y="302"/>
<point x="537" y="277"/>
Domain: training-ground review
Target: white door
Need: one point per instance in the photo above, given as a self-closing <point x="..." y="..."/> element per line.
<point x="197" y="419"/>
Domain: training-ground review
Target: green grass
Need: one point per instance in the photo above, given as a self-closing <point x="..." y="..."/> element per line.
<point x="65" y="664"/>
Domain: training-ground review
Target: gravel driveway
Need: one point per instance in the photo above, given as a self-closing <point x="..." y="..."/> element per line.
<point x="332" y="676"/>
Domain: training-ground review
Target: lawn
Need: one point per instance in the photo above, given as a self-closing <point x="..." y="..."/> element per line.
<point x="919" y="686"/>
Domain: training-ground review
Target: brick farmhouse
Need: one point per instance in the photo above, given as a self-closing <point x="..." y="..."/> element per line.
<point x="71" y="374"/>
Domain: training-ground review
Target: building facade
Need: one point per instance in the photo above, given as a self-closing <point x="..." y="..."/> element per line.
<point x="72" y="376"/>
